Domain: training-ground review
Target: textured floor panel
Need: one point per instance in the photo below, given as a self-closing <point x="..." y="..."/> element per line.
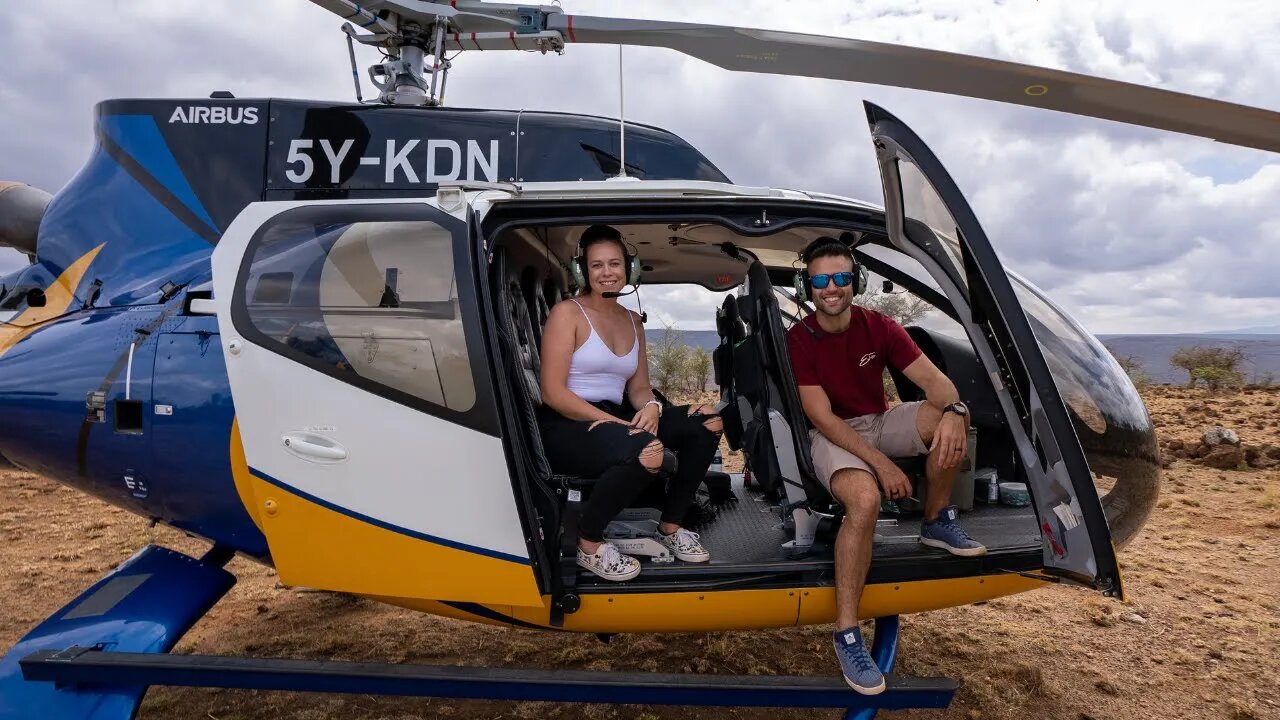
<point x="749" y="533"/>
<point x="995" y="526"/>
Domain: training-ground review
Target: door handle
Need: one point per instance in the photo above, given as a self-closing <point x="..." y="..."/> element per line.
<point x="309" y="446"/>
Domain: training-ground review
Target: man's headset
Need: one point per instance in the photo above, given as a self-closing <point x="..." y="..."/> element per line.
<point x="578" y="265"/>
<point x="802" y="286"/>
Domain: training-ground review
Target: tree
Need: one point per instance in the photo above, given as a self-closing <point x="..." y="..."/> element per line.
<point x="1188" y="358"/>
<point x="1132" y="367"/>
<point x="1215" y="366"/>
<point x="669" y="360"/>
<point x="1216" y="378"/>
<point x="699" y="369"/>
<point x="902" y="306"/>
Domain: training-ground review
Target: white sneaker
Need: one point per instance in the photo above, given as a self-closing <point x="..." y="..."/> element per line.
<point x="609" y="564"/>
<point x="685" y="546"/>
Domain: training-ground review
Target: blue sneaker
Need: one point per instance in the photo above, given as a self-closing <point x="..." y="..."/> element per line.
<point x="946" y="533"/>
<point x="859" y="669"/>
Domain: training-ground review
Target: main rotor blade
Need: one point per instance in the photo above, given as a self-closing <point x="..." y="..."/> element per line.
<point x="785" y="53"/>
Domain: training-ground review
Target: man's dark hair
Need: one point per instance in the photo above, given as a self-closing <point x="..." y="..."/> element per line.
<point x="598" y="234"/>
<point x="826" y="246"/>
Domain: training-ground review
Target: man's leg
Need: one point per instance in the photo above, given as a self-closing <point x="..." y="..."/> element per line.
<point x="853" y="485"/>
<point x="941" y="527"/>
<point x="857" y="491"/>
<point x="939" y="481"/>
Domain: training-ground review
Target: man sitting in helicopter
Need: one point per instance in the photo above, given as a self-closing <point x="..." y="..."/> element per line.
<point x="594" y="377"/>
<point x="839" y="359"/>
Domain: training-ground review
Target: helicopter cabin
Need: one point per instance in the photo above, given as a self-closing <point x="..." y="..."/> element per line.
<point x="383" y="354"/>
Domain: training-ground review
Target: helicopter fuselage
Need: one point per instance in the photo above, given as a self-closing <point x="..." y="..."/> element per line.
<point x="115" y="371"/>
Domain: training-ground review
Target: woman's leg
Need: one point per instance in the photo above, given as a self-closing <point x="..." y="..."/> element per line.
<point x="617" y="487"/>
<point x="692" y="432"/>
<point x="624" y="461"/>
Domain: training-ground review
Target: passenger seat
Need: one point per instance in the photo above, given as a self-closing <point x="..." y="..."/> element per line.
<point x="520" y="343"/>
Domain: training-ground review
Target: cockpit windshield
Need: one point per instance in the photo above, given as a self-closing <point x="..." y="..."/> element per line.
<point x="1109" y="416"/>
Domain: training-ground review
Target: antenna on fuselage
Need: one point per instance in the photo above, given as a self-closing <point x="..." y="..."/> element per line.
<point x="622" y="121"/>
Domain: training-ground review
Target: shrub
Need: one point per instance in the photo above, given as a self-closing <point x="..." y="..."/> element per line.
<point x="669" y="360"/>
<point x="901" y="306"/>
<point x="1132" y="367"/>
<point x="699" y="369"/>
<point x="1216" y="367"/>
<point x="1216" y="378"/>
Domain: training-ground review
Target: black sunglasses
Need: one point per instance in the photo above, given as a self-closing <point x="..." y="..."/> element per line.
<point x="843" y="279"/>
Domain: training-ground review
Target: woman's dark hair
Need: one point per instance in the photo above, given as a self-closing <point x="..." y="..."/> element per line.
<point x="598" y="234"/>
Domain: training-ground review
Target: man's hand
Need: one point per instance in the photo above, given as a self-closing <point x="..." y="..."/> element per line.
<point x="950" y="440"/>
<point x="895" y="484"/>
<point x="647" y="419"/>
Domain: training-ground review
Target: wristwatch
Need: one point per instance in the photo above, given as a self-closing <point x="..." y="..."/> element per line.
<point x="958" y="408"/>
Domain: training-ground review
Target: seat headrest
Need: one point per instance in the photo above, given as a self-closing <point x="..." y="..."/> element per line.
<point x="729" y="321"/>
<point x="758" y="279"/>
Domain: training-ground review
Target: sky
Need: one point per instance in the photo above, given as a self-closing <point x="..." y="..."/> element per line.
<point x="1132" y="230"/>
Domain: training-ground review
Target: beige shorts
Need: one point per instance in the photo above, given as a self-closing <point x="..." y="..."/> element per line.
<point x="893" y="433"/>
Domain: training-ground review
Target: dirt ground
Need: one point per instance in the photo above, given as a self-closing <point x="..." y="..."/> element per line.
<point x="1199" y="638"/>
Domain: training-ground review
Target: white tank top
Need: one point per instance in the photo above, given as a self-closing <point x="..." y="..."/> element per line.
<point x="595" y="373"/>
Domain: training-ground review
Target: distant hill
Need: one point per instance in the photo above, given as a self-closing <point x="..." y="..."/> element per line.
<point x="1257" y="330"/>
<point x="705" y="339"/>
<point x="1152" y="351"/>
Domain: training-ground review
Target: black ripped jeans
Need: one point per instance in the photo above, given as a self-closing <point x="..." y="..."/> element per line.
<point x="611" y="452"/>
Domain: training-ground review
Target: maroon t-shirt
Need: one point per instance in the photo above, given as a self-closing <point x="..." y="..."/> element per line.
<point x="849" y="365"/>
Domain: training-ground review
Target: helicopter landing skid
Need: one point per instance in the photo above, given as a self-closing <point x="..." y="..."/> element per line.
<point x="95" y="658"/>
<point x="144" y="606"/>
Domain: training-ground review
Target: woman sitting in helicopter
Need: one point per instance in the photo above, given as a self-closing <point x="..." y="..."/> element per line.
<point x="600" y="417"/>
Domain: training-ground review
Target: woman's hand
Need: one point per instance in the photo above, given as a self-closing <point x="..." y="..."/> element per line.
<point x="647" y="419"/>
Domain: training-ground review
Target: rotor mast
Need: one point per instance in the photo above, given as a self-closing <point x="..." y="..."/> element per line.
<point x="411" y="33"/>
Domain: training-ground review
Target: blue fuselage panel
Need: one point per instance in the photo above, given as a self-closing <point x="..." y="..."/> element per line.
<point x="174" y="464"/>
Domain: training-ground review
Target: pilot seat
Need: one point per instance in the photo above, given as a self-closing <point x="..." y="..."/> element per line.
<point x="761" y="409"/>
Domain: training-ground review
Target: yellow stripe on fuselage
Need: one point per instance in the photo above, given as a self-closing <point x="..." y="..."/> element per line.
<point x="318" y="547"/>
<point x="57" y="298"/>
<point x="738" y="609"/>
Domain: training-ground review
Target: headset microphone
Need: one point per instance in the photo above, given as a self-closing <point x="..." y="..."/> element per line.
<point x="644" y="316"/>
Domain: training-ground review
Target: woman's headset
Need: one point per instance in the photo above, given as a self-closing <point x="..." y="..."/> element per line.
<point x="578" y="265"/>
<point x="802" y="286"/>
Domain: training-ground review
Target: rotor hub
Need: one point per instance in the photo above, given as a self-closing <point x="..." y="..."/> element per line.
<point x="408" y="32"/>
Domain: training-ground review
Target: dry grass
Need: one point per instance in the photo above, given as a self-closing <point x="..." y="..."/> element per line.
<point x="1199" y="637"/>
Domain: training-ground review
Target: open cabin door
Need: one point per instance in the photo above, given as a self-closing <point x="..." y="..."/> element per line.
<point x="368" y="448"/>
<point x="930" y="220"/>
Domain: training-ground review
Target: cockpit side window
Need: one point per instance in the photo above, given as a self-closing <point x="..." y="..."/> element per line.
<point x="373" y="299"/>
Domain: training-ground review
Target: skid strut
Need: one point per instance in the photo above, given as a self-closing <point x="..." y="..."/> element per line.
<point x="83" y="667"/>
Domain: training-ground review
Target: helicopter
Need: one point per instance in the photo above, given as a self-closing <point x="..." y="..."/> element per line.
<point x="307" y="332"/>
